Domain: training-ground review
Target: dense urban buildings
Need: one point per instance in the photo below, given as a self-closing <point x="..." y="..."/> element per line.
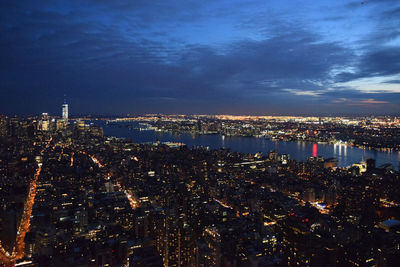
<point x="377" y="132"/>
<point x="142" y="133"/>
<point x="74" y="197"/>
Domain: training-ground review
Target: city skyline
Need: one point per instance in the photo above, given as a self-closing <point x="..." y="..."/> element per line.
<point x="200" y="191"/>
<point x="199" y="133"/>
<point x="250" y="57"/>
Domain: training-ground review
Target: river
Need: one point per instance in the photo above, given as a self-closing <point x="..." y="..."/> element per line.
<point x="298" y="150"/>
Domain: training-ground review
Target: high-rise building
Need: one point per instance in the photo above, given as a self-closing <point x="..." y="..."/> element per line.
<point x="209" y="249"/>
<point x="60" y="125"/>
<point x="80" y="125"/>
<point x="3" y="126"/>
<point x="44" y="122"/>
<point x="81" y="218"/>
<point x="13" y="126"/>
<point x="65" y="112"/>
<point x="309" y="195"/>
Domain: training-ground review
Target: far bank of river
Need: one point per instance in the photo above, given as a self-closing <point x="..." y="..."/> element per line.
<point x="297" y="150"/>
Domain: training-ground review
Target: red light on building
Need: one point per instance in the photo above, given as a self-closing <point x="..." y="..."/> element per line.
<point x="315" y="150"/>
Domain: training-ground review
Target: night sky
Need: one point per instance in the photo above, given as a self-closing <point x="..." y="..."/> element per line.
<point x="203" y="57"/>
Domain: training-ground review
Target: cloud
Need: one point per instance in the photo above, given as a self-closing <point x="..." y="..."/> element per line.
<point x="133" y="56"/>
<point x="371" y="101"/>
<point x="366" y="102"/>
<point x="361" y="102"/>
<point x="380" y="62"/>
<point x="90" y="58"/>
<point x="379" y="48"/>
<point x="368" y="3"/>
<point x="373" y="85"/>
<point x="303" y="92"/>
<point x="392" y="81"/>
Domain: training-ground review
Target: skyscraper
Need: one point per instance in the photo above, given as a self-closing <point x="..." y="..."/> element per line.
<point x="44" y="122"/>
<point x="65" y="112"/>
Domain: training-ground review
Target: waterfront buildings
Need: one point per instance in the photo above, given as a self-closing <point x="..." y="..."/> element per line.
<point x="89" y="200"/>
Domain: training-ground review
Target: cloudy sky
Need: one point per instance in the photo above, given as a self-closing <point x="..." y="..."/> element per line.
<point x="208" y="57"/>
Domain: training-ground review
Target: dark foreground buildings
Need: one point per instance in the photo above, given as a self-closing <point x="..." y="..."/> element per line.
<point x="102" y="201"/>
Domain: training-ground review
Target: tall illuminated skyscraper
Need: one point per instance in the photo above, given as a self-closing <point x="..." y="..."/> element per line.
<point x="44" y="122"/>
<point x="65" y="112"/>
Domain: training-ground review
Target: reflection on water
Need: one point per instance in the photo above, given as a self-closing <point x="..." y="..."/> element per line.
<point x="315" y="150"/>
<point x="298" y="150"/>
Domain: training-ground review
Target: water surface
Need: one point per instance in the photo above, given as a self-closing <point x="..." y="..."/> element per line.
<point x="299" y="150"/>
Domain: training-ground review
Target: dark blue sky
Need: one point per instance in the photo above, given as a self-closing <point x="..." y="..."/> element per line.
<point x="236" y="57"/>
